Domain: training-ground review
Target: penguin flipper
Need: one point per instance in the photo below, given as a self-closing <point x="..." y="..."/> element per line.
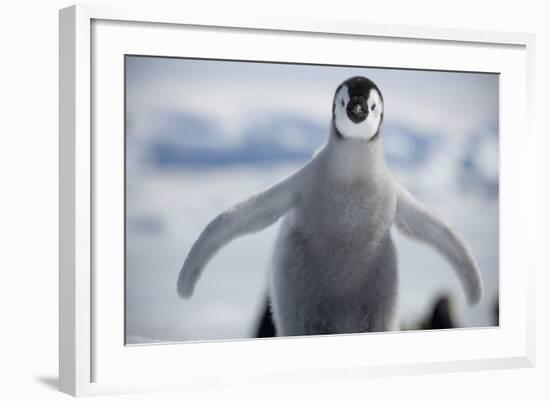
<point x="416" y="221"/>
<point x="254" y="214"/>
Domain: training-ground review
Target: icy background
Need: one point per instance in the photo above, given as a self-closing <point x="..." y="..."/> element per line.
<point x="203" y="135"/>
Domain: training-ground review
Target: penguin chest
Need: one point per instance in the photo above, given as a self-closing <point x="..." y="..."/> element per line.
<point x="332" y="242"/>
<point x="349" y="216"/>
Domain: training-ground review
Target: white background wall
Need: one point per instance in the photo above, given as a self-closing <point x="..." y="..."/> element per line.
<point x="28" y="197"/>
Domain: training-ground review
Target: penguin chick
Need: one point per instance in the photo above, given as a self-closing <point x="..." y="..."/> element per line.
<point x="335" y="263"/>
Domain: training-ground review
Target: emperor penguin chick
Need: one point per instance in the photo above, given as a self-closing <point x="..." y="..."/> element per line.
<point x="335" y="264"/>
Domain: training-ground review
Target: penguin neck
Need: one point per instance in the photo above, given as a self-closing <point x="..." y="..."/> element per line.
<point x="352" y="160"/>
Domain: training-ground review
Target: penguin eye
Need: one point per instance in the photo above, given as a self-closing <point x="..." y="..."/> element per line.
<point x="342" y="102"/>
<point x="373" y="107"/>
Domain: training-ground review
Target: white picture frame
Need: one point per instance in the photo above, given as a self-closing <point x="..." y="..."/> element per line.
<point x="93" y="358"/>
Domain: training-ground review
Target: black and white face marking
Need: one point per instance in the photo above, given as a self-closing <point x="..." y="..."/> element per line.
<point x="358" y="109"/>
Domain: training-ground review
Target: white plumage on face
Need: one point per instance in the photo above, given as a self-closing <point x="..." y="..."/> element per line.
<point x="360" y="119"/>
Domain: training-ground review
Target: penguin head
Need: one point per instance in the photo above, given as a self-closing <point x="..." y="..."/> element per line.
<point x="358" y="109"/>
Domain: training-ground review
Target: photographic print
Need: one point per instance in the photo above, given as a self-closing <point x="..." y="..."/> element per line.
<point x="271" y="199"/>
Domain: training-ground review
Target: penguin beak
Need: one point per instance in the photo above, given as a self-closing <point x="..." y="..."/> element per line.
<point x="357" y="109"/>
